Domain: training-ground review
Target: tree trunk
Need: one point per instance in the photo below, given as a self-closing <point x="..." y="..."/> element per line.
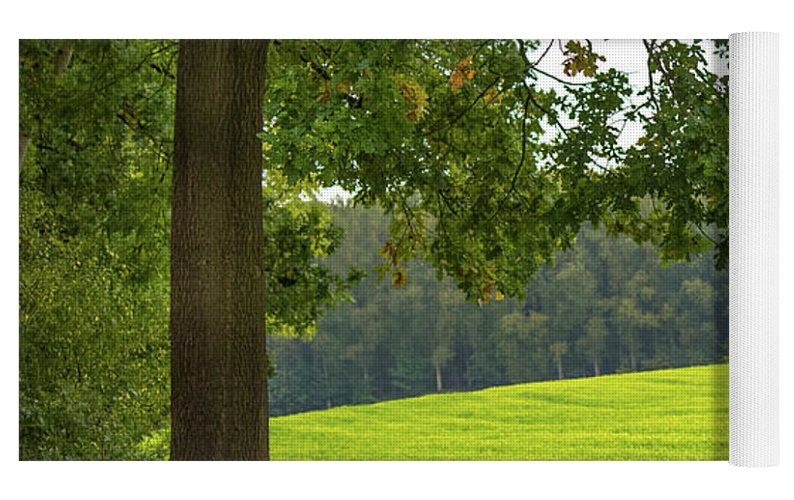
<point x="24" y="139"/>
<point x="560" y="373"/>
<point x="597" y="368"/>
<point x="439" y="381"/>
<point x="62" y="57"/>
<point x="218" y="362"/>
<point x="633" y="356"/>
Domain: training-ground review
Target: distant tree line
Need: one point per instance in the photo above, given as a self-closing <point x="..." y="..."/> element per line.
<point x="606" y="306"/>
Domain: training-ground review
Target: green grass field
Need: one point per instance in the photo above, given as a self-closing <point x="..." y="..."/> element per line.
<point x="679" y="414"/>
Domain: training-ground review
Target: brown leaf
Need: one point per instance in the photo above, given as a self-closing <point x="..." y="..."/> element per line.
<point x="464" y="62"/>
<point x="399" y="277"/>
<point x="456" y="79"/>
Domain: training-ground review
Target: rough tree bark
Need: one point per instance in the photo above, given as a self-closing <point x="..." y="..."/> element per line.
<point x="218" y="362"/>
<point x="24" y="139"/>
<point x="62" y="57"/>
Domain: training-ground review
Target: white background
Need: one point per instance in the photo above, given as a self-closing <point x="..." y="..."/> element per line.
<point x="401" y="19"/>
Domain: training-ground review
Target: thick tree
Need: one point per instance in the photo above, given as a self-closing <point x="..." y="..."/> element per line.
<point x="218" y="358"/>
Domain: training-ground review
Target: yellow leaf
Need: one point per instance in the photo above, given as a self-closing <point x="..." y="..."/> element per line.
<point x="492" y="95"/>
<point x="389" y="251"/>
<point x="415" y="96"/>
<point x="325" y="92"/>
<point x="344" y="87"/>
<point x="485" y="295"/>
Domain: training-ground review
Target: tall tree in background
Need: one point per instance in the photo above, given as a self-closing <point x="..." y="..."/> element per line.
<point x="448" y="319"/>
<point x="218" y="359"/>
<point x="593" y="342"/>
<point x="636" y="316"/>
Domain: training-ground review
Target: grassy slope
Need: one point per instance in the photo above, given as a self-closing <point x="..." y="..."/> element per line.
<point x="679" y="414"/>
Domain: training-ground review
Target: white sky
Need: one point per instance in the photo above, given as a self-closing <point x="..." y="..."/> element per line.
<point x="625" y="55"/>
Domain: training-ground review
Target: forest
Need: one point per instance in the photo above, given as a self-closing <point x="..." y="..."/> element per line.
<point x="606" y="306"/>
<point x="181" y="270"/>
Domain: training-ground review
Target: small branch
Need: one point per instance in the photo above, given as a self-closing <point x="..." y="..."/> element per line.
<point x="465" y="110"/>
<point x="163" y="71"/>
<point x="548" y="114"/>
<point x="522" y="48"/>
<point x="564" y="82"/>
<point x="663" y="70"/>
<point x="447" y="203"/>
<point x="551" y="43"/>
<point x="134" y="68"/>
<point x="408" y="213"/>
<point x="651" y="91"/>
<point x="316" y="67"/>
<point x="138" y="128"/>
<point x="705" y="234"/>
<point x="521" y="161"/>
<point x="598" y="165"/>
<point x="325" y="51"/>
<point x="483" y="44"/>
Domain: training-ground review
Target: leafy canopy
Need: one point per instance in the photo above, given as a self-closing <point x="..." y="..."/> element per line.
<point x="484" y="168"/>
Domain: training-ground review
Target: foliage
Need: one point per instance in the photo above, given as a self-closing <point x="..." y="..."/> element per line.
<point x="298" y="233"/>
<point x="681" y="161"/>
<point x="486" y="182"/>
<point x="606" y="307"/>
<point x="94" y="260"/>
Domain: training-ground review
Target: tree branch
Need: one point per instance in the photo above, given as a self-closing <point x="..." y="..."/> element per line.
<point x="544" y="110"/>
<point x="447" y="203"/>
<point x="462" y="113"/>
<point x="564" y="82"/>
<point x="651" y="91"/>
<point x="523" y="156"/>
<point x="551" y="43"/>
